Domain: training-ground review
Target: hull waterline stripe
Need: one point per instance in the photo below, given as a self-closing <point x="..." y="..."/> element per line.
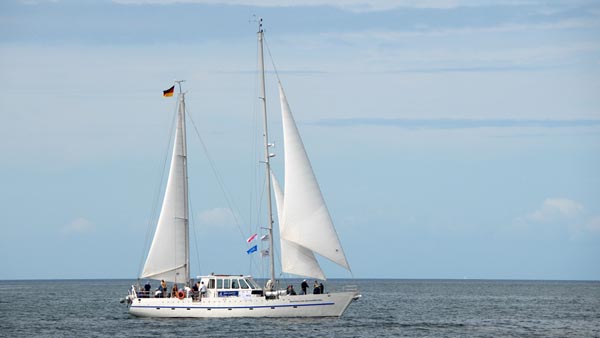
<point x="227" y="307"/>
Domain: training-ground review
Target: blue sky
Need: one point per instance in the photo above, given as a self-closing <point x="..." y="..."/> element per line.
<point x="452" y="139"/>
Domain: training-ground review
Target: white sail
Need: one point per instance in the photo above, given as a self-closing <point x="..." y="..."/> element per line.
<point x="306" y="220"/>
<point x="168" y="255"/>
<point x="305" y="227"/>
<point x="295" y="259"/>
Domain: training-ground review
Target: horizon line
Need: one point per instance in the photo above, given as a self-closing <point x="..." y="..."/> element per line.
<point x="456" y="123"/>
<point x="336" y="278"/>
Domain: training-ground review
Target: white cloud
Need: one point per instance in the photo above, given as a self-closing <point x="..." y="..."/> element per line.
<point x="556" y="209"/>
<point x="352" y="5"/>
<point x="563" y="217"/>
<point x="399" y="36"/>
<point x="594" y="224"/>
<point x="79" y="226"/>
<point x="391" y="49"/>
<point x="217" y="217"/>
<point x="37" y="2"/>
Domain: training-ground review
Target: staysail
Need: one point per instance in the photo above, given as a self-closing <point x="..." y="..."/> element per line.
<point x="168" y="255"/>
<point x="305" y="222"/>
<point x="295" y="258"/>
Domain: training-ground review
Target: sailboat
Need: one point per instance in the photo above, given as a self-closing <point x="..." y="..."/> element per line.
<point x="302" y="212"/>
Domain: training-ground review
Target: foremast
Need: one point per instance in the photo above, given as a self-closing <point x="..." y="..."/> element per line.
<point x="168" y="256"/>
<point x="268" y="155"/>
<point x="186" y="206"/>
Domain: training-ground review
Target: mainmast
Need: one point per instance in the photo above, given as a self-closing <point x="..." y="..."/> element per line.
<point x="263" y="99"/>
<point x="186" y="215"/>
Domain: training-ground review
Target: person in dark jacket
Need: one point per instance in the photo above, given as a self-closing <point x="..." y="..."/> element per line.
<point x="147" y="289"/>
<point x="304" y="286"/>
<point x="316" y="288"/>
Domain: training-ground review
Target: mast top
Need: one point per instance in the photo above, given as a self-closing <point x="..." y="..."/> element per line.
<point x="178" y="82"/>
<point x="255" y="18"/>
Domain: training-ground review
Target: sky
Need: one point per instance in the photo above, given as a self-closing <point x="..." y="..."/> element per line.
<point x="451" y="139"/>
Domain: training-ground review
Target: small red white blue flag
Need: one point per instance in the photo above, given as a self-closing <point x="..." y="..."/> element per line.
<point x="251" y="238"/>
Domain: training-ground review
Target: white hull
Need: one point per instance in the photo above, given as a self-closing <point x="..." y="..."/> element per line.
<point x="321" y="305"/>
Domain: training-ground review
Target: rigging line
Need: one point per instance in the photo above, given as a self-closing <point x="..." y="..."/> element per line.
<point x="278" y="81"/>
<point x="263" y="191"/>
<point x="253" y="170"/>
<point x="154" y="210"/>
<point x="254" y="145"/>
<point x="230" y="204"/>
<point x="272" y="61"/>
<point x="196" y="243"/>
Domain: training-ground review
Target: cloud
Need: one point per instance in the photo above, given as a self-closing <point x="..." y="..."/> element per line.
<point x="37" y="2"/>
<point x="79" y="226"/>
<point x="556" y="209"/>
<point x="561" y="216"/>
<point x="217" y="217"/>
<point x="400" y="35"/>
<point x="594" y="225"/>
<point x="351" y="5"/>
<point x="416" y="124"/>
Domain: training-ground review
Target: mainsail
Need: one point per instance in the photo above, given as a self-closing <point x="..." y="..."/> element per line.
<point x="168" y="255"/>
<point x="305" y="224"/>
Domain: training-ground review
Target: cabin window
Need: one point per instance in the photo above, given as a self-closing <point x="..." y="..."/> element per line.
<point x="226" y="283"/>
<point x="211" y="283"/>
<point x="234" y="284"/>
<point x="252" y="284"/>
<point x="219" y="283"/>
<point x="243" y="284"/>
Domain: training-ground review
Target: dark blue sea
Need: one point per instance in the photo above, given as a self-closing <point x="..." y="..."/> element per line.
<point x="388" y="308"/>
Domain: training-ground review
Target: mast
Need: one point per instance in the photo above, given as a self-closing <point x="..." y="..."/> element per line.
<point x="263" y="99"/>
<point x="168" y="257"/>
<point x="186" y="216"/>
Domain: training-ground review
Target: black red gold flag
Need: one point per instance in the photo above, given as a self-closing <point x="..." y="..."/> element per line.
<point x="169" y="92"/>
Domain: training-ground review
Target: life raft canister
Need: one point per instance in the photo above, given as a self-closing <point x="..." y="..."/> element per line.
<point x="180" y="294"/>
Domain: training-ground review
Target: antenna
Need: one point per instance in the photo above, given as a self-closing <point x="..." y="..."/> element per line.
<point x="256" y="19"/>
<point x="179" y="84"/>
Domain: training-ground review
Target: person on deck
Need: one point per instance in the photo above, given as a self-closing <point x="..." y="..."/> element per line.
<point x="321" y="288"/>
<point x="147" y="289"/>
<point x="174" y="290"/>
<point x="304" y="286"/>
<point x="203" y="290"/>
<point x="195" y="290"/>
<point x="163" y="285"/>
<point x="316" y="288"/>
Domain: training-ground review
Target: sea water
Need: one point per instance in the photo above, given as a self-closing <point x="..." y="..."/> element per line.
<point x="388" y="308"/>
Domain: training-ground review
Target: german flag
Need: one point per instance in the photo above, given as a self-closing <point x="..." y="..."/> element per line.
<point x="169" y="92"/>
